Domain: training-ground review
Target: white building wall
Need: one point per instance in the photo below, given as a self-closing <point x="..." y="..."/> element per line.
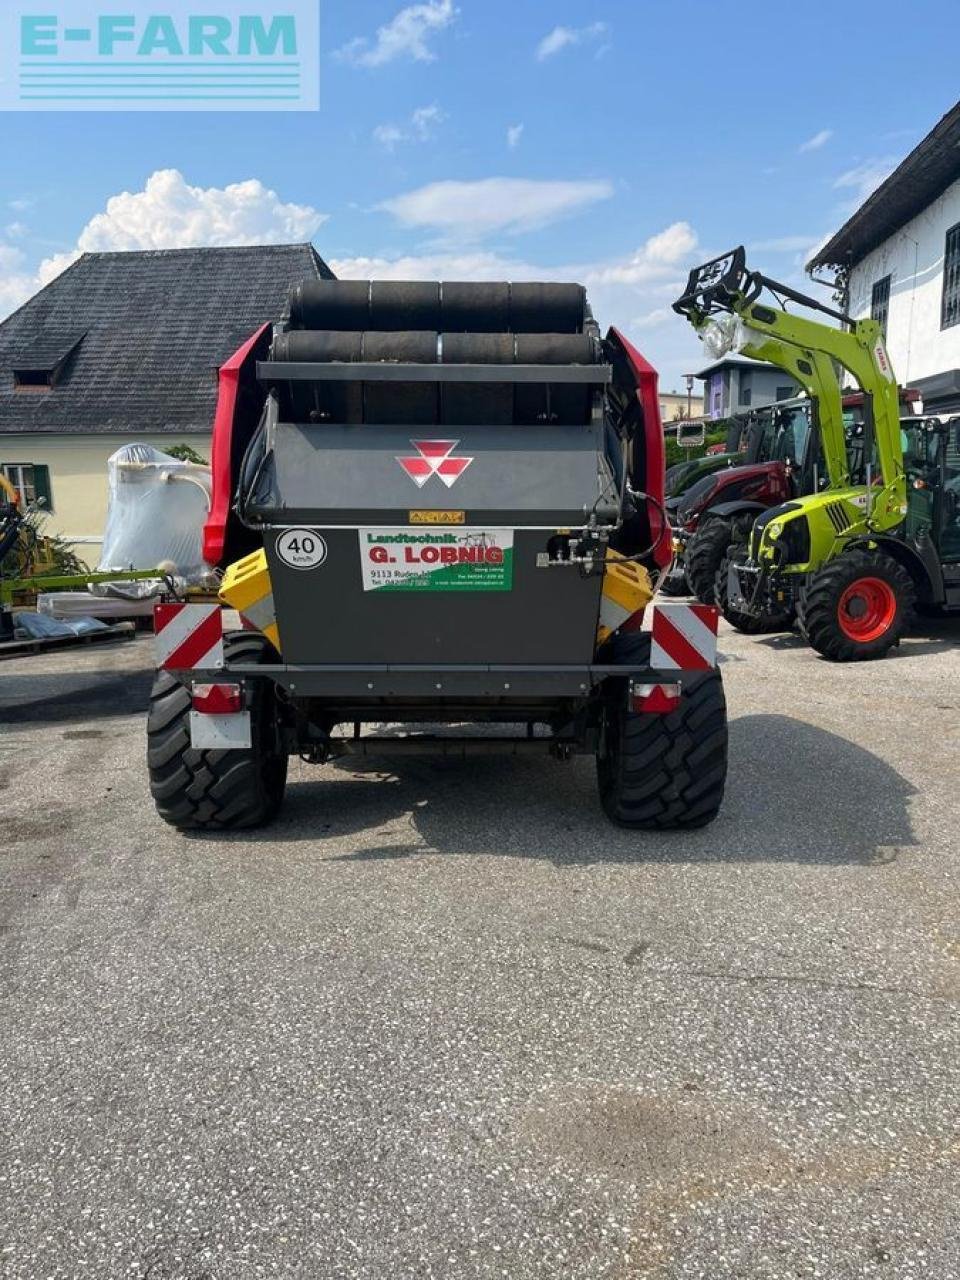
<point x="913" y="258"/>
<point x="78" y="478"/>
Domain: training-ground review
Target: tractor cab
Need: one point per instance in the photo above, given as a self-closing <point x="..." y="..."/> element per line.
<point x="931" y="454"/>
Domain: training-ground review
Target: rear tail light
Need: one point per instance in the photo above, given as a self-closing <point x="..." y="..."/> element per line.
<point x="218" y="699"/>
<point x="654" y="699"/>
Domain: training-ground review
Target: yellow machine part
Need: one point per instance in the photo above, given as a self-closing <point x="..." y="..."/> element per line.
<point x="246" y="587"/>
<point x="627" y="590"/>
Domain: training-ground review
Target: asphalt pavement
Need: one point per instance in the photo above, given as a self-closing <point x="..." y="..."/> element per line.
<point x="443" y="1020"/>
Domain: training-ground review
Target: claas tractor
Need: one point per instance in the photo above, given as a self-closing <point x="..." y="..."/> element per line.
<point x="781" y="459"/>
<point x="846" y="558"/>
<point x="437" y="507"/>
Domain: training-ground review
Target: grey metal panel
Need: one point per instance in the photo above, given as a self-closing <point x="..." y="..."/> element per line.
<point x="324" y="615"/>
<point x="324" y="474"/>
<point x="335" y="371"/>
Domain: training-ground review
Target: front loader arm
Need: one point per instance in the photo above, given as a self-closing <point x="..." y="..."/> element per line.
<point x="814" y="372"/>
<point x="725" y="285"/>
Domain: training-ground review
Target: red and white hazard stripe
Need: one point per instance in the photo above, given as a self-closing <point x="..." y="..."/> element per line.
<point x="188" y="635"/>
<point x="684" y="637"/>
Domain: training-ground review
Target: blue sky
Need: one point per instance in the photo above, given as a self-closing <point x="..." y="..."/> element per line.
<point x="616" y="143"/>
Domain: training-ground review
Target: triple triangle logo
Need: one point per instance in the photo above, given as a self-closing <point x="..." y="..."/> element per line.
<point x="434" y="459"/>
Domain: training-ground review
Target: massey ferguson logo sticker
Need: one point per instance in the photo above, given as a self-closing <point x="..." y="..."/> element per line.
<point x="434" y="459"/>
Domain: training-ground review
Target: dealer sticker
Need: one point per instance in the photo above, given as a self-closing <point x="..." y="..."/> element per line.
<point x="436" y="560"/>
<point x="301" y="548"/>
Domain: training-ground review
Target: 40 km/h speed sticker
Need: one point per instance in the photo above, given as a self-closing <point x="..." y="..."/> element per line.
<point x="301" y="548"/>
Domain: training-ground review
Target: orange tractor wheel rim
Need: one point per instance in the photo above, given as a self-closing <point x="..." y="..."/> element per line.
<point x="867" y="609"/>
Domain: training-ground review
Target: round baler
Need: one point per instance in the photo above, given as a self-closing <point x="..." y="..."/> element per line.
<point x="438" y="505"/>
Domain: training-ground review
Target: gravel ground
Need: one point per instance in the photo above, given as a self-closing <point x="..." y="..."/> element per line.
<point x="443" y="1020"/>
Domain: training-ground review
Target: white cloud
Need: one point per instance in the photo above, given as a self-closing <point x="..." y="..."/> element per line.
<point x="425" y="120"/>
<point x="562" y="37"/>
<point x="20" y="205"/>
<point x="16" y="282"/>
<point x="651" y="319"/>
<point x="388" y="135"/>
<point x="421" y="127"/>
<point x="514" y="134"/>
<point x="170" y="214"/>
<point x="15" y="230"/>
<point x="864" y="178"/>
<point x="656" y="257"/>
<point x="405" y="36"/>
<point x="478" y="265"/>
<point x="817" y="141"/>
<point x="469" y="210"/>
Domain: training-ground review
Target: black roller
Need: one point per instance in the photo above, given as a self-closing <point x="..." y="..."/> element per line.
<point x="455" y="307"/>
<point x="404" y="304"/>
<point x="320" y="401"/>
<point x="474" y="307"/>
<point x="317" y="345"/>
<point x="563" y="403"/>
<point x="547" y="308"/>
<point x="331" y="304"/>
<point x="478" y="348"/>
<point x="402" y="347"/>
<point x="556" y="348"/>
<point x="465" y="403"/>
<point x="402" y="403"/>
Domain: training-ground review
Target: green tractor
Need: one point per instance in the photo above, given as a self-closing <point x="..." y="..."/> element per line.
<point x="854" y="558"/>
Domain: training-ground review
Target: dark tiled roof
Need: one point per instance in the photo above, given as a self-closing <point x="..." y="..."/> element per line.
<point x="927" y="171"/>
<point x="155" y="327"/>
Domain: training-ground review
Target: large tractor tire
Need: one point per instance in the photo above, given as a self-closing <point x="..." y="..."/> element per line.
<point x="857" y="606"/>
<point x="705" y="550"/>
<point x="674" y="583"/>
<point x="749" y="624"/>
<point x="216" y="790"/>
<point x="662" y="772"/>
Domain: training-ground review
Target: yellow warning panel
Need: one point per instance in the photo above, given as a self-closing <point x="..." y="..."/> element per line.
<point x="627" y="590"/>
<point x="438" y="517"/>
<point x="246" y="587"/>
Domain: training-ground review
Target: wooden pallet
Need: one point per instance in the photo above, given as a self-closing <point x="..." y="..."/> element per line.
<point x="18" y="648"/>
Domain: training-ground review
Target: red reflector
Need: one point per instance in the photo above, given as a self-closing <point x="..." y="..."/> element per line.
<point x="218" y="699"/>
<point x="654" y="699"/>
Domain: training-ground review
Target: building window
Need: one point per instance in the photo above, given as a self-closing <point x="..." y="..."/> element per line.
<point x="715" y="395"/>
<point x="32" y="379"/>
<point x="950" y="306"/>
<point x="746" y="390"/>
<point x="31" y="481"/>
<point x="785" y="393"/>
<point x="880" y="303"/>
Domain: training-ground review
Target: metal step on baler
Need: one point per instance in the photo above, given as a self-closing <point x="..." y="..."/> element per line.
<point x="456" y="492"/>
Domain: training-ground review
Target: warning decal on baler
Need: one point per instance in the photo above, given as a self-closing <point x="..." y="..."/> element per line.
<point x="441" y="560"/>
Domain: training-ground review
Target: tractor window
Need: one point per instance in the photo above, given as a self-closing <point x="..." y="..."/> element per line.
<point x="920" y="449"/>
<point x="793" y="432"/>
<point x="765" y="438"/>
